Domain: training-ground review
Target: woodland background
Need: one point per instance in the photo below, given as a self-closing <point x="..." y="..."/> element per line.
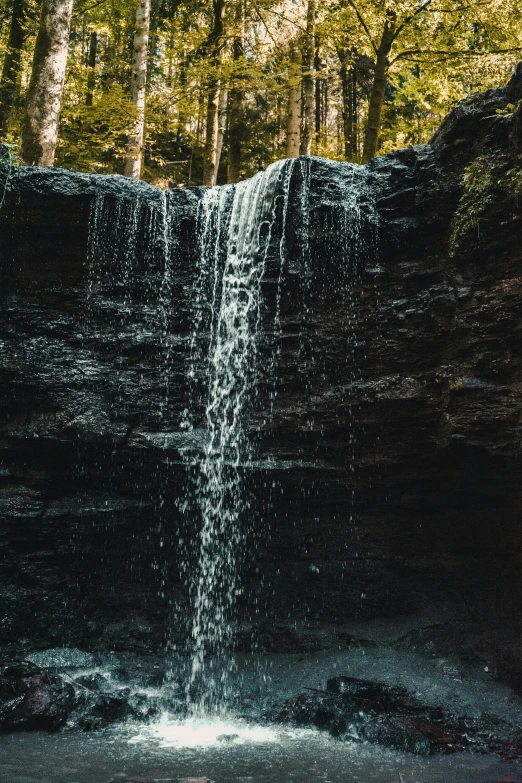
<point x="218" y="89"/>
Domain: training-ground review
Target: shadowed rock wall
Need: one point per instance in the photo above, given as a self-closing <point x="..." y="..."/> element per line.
<point x="388" y="477"/>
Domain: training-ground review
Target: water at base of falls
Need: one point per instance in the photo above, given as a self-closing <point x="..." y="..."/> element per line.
<point x="205" y="733"/>
<point x="37" y="757"/>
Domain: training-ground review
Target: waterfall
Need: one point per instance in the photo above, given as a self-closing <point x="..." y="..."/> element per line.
<point x="112" y="248"/>
<point x="230" y="287"/>
<point x="243" y="267"/>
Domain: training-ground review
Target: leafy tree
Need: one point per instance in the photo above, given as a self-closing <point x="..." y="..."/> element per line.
<point x="228" y="86"/>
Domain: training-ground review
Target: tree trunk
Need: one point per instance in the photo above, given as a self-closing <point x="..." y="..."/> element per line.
<point x="213" y="47"/>
<point x="293" y="125"/>
<point x="182" y="114"/>
<point x="318" y="97"/>
<point x="44" y="96"/>
<point x="382" y="64"/>
<point x="307" y="133"/>
<point x="349" y="93"/>
<point x="210" y="161"/>
<point x="91" y="62"/>
<point x="12" y="63"/>
<point x="235" y="101"/>
<point x="134" y="156"/>
<point x="223" y="99"/>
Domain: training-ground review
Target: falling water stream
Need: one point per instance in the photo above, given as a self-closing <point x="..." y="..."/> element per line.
<point x="234" y="297"/>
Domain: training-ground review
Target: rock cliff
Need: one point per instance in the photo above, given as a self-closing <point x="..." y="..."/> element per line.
<point x="387" y="477"/>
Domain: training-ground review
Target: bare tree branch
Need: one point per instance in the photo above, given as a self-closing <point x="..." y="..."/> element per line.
<point x="260" y="17"/>
<point x="364" y="25"/>
<point x="410" y="18"/>
<point x="89" y="8"/>
<point x="282" y="16"/>
<point x="415" y="54"/>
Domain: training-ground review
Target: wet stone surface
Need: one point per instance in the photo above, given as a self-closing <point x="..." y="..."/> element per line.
<point x="57" y="695"/>
<point x="361" y="710"/>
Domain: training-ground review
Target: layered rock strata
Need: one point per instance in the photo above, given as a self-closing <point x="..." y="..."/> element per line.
<point x="387" y="477"/>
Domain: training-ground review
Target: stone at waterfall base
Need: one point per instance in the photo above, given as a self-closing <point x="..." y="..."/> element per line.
<point x="195" y="780"/>
<point x="359" y="710"/>
<point x="46" y="698"/>
<point x="32" y="699"/>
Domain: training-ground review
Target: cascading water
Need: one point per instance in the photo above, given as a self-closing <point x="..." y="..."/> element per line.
<point x="243" y="240"/>
<point x="129" y="301"/>
<point x="233" y="296"/>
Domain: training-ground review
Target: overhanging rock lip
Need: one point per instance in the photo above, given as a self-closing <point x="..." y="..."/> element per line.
<point x="65" y="182"/>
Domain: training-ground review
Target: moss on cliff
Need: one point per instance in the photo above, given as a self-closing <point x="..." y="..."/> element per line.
<point x="483" y="186"/>
<point x="477" y="194"/>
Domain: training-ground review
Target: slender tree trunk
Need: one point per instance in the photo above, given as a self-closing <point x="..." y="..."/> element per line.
<point x="293" y="125"/>
<point x="214" y="46"/>
<point x="307" y="133"/>
<point x="349" y="93"/>
<point x="318" y="97"/>
<point x="223" y="99"/>
<point x="325" y="105"/>
<point x="182" y="80"/>
<point x="382" y="64"/>
<point x="12" y="63"/>
<point x="44" y="96"/>
<point x="201" y="111"/>
<point x="91" y="62"/>
<point x="235" y="101"/>
<point x="210" y="161"/>
<point x="134" y="155"/>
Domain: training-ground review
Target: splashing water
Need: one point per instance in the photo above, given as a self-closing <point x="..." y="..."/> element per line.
<point x="232" y="369"/>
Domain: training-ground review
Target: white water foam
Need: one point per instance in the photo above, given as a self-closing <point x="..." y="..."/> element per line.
<point x="205" y="732"/>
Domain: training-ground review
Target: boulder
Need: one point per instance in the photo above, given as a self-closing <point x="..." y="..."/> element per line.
<point x="33" y="699"/>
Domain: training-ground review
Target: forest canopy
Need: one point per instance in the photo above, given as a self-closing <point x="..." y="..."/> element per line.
<point x="184" y="92"/>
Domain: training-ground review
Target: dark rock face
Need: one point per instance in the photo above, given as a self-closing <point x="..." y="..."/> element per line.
<point x="387" y="479"/>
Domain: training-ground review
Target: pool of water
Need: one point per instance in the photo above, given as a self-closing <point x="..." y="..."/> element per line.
<point x="170" y="752"/>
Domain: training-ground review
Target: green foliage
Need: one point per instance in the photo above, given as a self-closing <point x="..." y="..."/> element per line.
<point x="444" y="51"/>
<point x="512" y="181"/>
<point x="93" y="138"/>
<point x="483" y="186"/>
<point x="477" y="194"/>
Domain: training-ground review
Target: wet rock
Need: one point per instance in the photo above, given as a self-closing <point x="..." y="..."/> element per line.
<point x="371" y="696"/>
<point x="352" y="642"/>
<point x="32" y="701"/>
<point x="146" y="708"/>
<point x="195" y="780"/>
<point x="20" y="502"/>
<point x="397" y="734"/>
<point x="322" y="710"/>
<point x="94" y="683"/>
<point x="354" y="709"/>
<point x="48" y="695"/>
<point x="62" y="658"/>
<point x="227" y="737"/>
<point x="104" y="711"/>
